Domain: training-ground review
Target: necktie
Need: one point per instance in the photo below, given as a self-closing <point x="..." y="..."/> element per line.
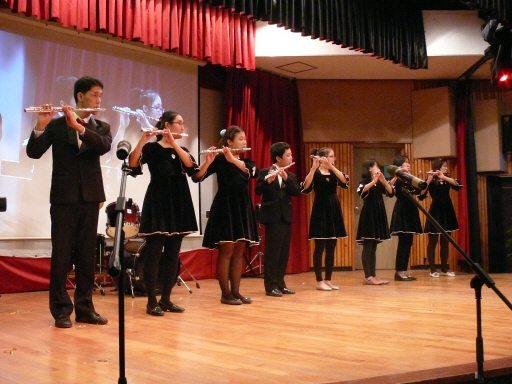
<point x="83" y="124"/>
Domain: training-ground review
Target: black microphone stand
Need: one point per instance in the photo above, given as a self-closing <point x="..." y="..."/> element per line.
<point x="117" y="266"/>
<point x="477" y="282"/>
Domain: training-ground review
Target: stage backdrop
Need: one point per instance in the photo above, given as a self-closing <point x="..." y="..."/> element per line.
<point x="35" y="64"/>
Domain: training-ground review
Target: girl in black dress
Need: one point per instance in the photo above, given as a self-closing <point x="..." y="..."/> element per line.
<point x="232" y="224"/>
<point x="405" y="221"/>
<point x="326" y="223"/>
<point x="441" y="209"/>
<point x="167" y="213"/>
<point x="373" y="222"/>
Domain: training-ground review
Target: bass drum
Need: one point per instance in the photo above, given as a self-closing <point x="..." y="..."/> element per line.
<point x="134" y="261"/>
<point x="135" y="255"/>
<point x="131" y="219"/>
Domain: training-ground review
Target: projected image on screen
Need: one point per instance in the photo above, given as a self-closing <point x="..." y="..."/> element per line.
<point x="35" y="72"/>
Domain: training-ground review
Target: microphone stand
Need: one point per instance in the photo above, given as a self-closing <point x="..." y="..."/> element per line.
<point x="477" y="282"/>
<point x="117" y="266"/>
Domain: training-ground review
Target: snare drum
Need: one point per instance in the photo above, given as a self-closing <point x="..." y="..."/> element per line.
<point x="131" y="219"/>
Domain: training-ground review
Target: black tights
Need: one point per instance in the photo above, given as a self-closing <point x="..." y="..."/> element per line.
<point x="170" y="265"/>
<point x="329" y="245"/>
<point x="229" y="268"/>
<point x="431" y="252"/>
<point x="403" y="251"/>
<point x="368" y="257"/>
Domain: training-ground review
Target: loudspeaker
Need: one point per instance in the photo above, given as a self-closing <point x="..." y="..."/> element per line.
<point x="506" y="134"/>
<point x="3" y="204"/>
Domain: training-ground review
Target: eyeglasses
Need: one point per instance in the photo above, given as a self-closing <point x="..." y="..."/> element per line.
<point x="158" y="108"/>
<point x="181" y="123"/>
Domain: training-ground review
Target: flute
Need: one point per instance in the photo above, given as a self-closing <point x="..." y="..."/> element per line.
<point x="128" y="111"/>
<point x="161" y="132"/>
<point x="272" y="173"/>
<point x="220" y="150"/>
<point x="59" y="109"/>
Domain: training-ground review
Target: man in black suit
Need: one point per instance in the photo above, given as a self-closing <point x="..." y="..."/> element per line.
<point x="75" y="195"/>
<point x="277" y="186"/>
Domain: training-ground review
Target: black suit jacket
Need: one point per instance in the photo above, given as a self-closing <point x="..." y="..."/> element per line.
<point x="277" y="200"/>
<point x="76" y="174"/>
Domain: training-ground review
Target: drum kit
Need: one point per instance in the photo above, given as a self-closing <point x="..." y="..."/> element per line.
<point x="133" y="248"/>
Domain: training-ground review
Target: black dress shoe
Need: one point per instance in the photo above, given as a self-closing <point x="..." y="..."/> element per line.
<point x="155" y="311"/>
<point x="275" y="293"/>
<point x="399" y="277"/>
<point x="287" y="291"/>
<point x="92" y="318"/>
<point x="230" y="300"/>
<point x="244" y="300"/>
<point x="63" y="321"/>
<point x="170" y="307"/>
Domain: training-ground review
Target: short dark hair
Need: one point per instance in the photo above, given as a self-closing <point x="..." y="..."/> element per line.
<point x="437" y="164"/>
<point x="399" y="160"/>
<point x="84" y="84"/>
<point x="367" y="164"/>
<point x="278" y="149"/>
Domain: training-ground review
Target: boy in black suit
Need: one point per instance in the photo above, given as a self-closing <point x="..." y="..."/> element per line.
<point x="277" y="186"/>
<point x="75" y="195"/>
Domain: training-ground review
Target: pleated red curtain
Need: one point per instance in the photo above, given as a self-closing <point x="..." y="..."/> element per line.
<point x="189" y="28"/>
<point x="267" y="107"/>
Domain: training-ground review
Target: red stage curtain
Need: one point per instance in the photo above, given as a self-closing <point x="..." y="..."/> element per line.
<point x="389" y="29"/>
<point x="267" y="108"/>
<point x="188" y="28"/>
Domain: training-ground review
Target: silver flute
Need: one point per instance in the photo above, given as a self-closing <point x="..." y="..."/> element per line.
<point x="128" y="111"/>
<point x="273" y="173"/>
<point x="220" y="150"/>
<point x="161" y="132"/>
<point x="59" y="109"/>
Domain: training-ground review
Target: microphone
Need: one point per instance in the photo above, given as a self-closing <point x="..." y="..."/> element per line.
<point x="393" y="170"/>
<point x="123" y="149"/>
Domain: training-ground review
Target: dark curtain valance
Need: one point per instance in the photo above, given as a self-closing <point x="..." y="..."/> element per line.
<point x="389" y="29"/>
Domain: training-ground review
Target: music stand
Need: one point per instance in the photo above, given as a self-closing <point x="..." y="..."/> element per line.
<point x="477" y="282"/>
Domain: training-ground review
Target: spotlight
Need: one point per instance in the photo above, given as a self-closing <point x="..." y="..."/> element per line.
<point x="501" y="70"/>
<point x="499" y="37"/>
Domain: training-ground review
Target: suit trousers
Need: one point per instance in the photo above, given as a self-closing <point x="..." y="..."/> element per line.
<point x="277" y="253"/>
<point x="74" y="231"/>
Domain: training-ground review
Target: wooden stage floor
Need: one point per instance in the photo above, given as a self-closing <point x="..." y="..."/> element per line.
<point x="421" y="331"/>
